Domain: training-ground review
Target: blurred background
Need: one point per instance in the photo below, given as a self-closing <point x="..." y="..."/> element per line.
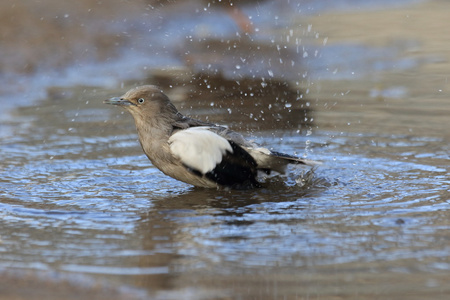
<point x="360" y="85"/>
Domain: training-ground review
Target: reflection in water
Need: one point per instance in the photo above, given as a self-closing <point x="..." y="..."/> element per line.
<point x="247" y="104"/>
<point x="79" y="196"/>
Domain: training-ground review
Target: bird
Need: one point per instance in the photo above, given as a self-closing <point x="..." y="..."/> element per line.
<point x="198" y="153"/>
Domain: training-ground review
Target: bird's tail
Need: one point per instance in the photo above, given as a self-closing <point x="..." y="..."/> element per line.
<point x="271" y="160"/>
<point x="290" y="159"/>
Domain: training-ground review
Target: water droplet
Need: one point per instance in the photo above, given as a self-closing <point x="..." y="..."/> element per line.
<point x="270" y="73"/>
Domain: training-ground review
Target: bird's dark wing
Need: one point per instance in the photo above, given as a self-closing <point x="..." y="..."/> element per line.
<point x="266" y="160"/>
<point x="205" y="153"/>
<point x="236" y="170"/>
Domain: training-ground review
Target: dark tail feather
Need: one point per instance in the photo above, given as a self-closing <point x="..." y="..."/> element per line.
<point x="295" y="160"/>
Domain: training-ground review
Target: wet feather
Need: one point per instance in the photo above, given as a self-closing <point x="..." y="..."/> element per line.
<point x="197" y="152"/>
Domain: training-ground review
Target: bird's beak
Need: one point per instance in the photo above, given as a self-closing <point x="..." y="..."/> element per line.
<point x="118" y="101"/>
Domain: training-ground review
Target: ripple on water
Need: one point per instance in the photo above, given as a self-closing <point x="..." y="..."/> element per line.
<point x="376" y="209"/>
<point x="91" y="204"/>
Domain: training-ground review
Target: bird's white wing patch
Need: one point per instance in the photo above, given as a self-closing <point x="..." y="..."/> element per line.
<point x="199" y="148"/>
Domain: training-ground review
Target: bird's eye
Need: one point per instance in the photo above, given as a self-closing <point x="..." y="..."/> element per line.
<point x="141" y="100"/>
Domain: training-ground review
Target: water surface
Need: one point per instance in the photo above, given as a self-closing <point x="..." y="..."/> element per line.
<point x="83" y="212"/>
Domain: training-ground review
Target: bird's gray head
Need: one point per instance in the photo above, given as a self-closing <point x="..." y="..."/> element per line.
<point x="146" y="103"/>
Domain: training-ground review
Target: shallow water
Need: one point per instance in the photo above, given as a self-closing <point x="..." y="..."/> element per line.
<point x="85" y="214"/>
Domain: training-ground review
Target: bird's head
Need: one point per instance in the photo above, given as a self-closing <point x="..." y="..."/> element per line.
<point x="145" y="103"/>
